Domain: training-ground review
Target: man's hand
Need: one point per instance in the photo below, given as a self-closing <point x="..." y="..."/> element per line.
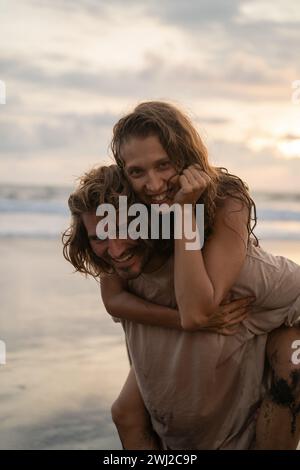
<point x="228" y="316"/>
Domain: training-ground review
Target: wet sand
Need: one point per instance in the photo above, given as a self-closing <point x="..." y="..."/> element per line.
<point x="66" y="359"/>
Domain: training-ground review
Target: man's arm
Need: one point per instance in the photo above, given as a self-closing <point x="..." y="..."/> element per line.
<point x="122" y="304"/>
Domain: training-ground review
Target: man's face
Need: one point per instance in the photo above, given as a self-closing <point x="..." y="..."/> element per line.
<point x="127" y="257"/>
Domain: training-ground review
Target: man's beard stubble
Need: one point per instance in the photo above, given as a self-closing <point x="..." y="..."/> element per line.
<point x="128" y="273"/>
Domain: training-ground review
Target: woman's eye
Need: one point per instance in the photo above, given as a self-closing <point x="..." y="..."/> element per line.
<point x="135" y="173"/>
<point x="164" y="165"/>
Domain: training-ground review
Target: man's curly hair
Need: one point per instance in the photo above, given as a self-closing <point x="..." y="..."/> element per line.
<point x="98" y="186"/>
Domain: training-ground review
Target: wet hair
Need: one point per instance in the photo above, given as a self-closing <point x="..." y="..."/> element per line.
<point x="100" y="185"/>
<point x="184" y="146"/>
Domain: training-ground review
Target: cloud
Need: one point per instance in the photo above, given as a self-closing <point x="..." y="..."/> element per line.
<point x="243" y="78"/>
<point x="218" y="59"/>
<point x="195" y="12"/>
<point x="189" y="14"/>
<point x="263" y="170"/>
<point x="216" y="120"/>
<point x="290" y="137"/>
<point x="69" y="6"/>
<point x="54" y="131"/>
<point x="14" y="138"/>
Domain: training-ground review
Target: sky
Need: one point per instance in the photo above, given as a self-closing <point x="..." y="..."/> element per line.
<point x="72" y="69"/>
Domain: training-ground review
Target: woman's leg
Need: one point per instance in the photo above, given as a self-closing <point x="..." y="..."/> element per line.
<point x="278" y="424"/>
<point x="132" y="419"/>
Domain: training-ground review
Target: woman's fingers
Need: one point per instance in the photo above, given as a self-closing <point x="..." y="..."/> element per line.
<point x="225" y="330"/>
<point x="228" y="299"/>
<point x="238" y="318"/>
<point x="198" y="179"/>
<point x="192" y="180"/>
<point x="198" y="173"/>
<point x="185" y="184"/>
<point x="230" y="305"/>
<point x="228" y="331"/>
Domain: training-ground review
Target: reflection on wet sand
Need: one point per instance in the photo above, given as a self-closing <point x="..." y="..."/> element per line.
<point x="66" y="359"/>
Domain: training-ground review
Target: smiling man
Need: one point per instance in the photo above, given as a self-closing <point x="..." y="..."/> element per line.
<point x="127" y="258"/>
<point x="197" y="390"/>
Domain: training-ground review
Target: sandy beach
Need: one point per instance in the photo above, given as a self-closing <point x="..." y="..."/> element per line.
<point x="66" y="359"/>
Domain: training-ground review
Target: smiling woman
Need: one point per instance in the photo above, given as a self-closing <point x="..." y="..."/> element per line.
<point x="149" y="169"/>
<point x="164" y="159"/>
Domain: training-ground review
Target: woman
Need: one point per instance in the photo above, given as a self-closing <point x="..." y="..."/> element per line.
<point x="164" y="160"/>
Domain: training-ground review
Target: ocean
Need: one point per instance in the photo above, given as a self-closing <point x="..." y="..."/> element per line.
<point x="66" y="359"/>
<point x="42" y="212"/>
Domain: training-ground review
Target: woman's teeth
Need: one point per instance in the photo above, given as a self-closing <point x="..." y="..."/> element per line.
<point x="159" y="198"/>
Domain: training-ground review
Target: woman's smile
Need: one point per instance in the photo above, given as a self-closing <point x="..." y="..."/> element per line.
<point x="149" y="169"/>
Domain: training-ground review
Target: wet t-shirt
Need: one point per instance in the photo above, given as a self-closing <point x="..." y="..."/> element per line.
<point x="203" y="389"/>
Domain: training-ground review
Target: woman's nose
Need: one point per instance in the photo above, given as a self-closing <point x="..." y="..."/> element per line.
<point x="154" y="184"/>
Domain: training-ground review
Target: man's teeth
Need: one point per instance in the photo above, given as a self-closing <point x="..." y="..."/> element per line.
<point x="159" y="198"/>
<point x="123" y="258"/>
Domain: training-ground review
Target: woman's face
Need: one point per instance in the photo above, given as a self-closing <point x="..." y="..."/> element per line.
<point x="149" y="169"/>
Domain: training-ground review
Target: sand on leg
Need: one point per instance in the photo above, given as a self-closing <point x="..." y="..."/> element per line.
<point x="278" y="424"/>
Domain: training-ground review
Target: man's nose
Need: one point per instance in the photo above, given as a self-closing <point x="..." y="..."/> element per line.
<point x="116" y="248"/>
<point x="155" y="183"/>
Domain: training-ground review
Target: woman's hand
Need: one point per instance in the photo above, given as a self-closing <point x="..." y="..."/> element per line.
<point x="193" y="182"/>
<point x="226" y="319"/>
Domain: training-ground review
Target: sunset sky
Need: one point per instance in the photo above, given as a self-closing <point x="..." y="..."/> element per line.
<point x="72" y="68"/>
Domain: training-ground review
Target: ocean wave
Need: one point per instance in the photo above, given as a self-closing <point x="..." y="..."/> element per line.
<point x="38" y="211"/>
<point x="278" y="214"/>
<point x="34" y="206"/>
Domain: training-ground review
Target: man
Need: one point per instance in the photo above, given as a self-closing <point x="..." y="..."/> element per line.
<point x="201" y="390"/>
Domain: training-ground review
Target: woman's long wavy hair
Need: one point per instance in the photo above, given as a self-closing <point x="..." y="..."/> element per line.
<point x="184" y="147"/>
<point x="100" y="185"/>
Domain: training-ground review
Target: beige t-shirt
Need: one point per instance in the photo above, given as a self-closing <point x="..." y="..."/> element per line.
<point x="202" y="390"/>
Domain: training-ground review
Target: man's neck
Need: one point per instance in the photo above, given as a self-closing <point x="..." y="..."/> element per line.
<point x="155" y="262"/>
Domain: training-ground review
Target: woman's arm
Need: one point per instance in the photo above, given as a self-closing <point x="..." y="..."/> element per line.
<point x="204" y="277"/>
<point x="122" y="304"/>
